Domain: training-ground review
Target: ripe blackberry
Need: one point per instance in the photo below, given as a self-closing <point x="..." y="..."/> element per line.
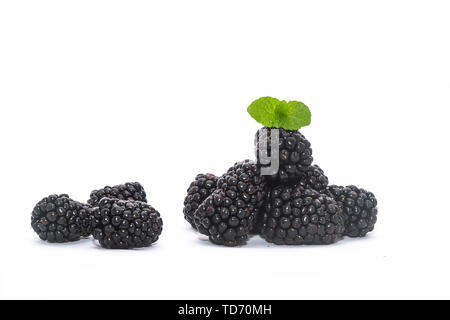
<point x="245" y="178"/>
<point x="198" y="191"/>
<point x="296" y="215"/>
<point x="229" y="215"/>
<point x="359" y="209"/>
<point x="126" y="224"/>
<point x="314" y="178"/>
<point x="295" y="154"/>
<point x="127" y="191"/>
<point x="225" y="218"/>
<point x="57" y="218"/>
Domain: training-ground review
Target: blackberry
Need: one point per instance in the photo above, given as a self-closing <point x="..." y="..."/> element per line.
<point x="226" y="219"/>
<point x="198" y="191"/>
<point x="296" y="215"/>
<point x="125" y="224"/>
<point x="359" y="209"/>
<point x="57" y="218"/>
<point x="230" y="214"/>
<point x="314" y="178"/>
<point x="127" y="191"/>
<point x="295" y="154"/>
<point x="245" y="178"/>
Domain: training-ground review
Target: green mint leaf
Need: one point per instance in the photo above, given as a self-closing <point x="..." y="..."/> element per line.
<point x="263" y="110"/>
<point x="272" y="112"/>
<point x="295" y="115"/>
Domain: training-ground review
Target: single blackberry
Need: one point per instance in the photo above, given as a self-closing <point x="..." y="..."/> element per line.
<point x="314" y="178"/>
<point x="296" y="215"/>
<point x="230" y="214"/>
<point x="126" y="224"/>
<point x="198" y="191"/>
<point x="225" y="218"/>
<point x="127" y="191"/>
<point x="359" y="209"/>
<point x="245" y="178"/>
<point x="57" y="218"/>
<point x="294" y="154"/>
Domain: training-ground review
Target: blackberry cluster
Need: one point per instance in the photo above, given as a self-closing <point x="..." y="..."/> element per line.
<point x="295" y="215"/>
<point x="295" y="154"/>
<point x="126" y="224"/>
<point x="230" y="214"/>
<point x="57" y="218"/>
<point x="359" y="209"/>
<point x="119" y="221"/>
<point x="128" y="191"/>
<point x="293" y="206"/>
<point x="198" y="191"/>
<point x="283" y="197"/>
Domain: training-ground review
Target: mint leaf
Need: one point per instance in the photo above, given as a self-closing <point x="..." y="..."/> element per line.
<point x="272" y="112"/>
<point x="295" y="115"/>
<point x="263" y="110"/>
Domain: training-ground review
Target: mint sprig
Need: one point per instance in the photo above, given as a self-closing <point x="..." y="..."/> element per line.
<point x="272" y="112"/>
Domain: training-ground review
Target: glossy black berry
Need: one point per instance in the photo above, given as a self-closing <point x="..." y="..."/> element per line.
<point x="57" y="218"/>
<point x="126" y="224"/>
<point x="127" y="191"/>
<point x="314" y="178"/>
<point x="230" y="214"/>
<point x="359" y="209"/>
<point x="203" y="186"/>
<point x="295" y="215"/>
<point x="294" y="154"/>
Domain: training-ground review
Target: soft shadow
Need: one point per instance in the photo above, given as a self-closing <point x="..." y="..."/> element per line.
<point x="63" y="244"/>
<point x="97" y="246"/>
<point x="257" y="242"/>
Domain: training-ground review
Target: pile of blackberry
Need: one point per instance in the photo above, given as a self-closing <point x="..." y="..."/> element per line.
<point x="119" y="217"/>
<point x="290" y="203"/>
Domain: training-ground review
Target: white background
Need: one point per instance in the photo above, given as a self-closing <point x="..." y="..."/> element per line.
<point x="96" y="93"/>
